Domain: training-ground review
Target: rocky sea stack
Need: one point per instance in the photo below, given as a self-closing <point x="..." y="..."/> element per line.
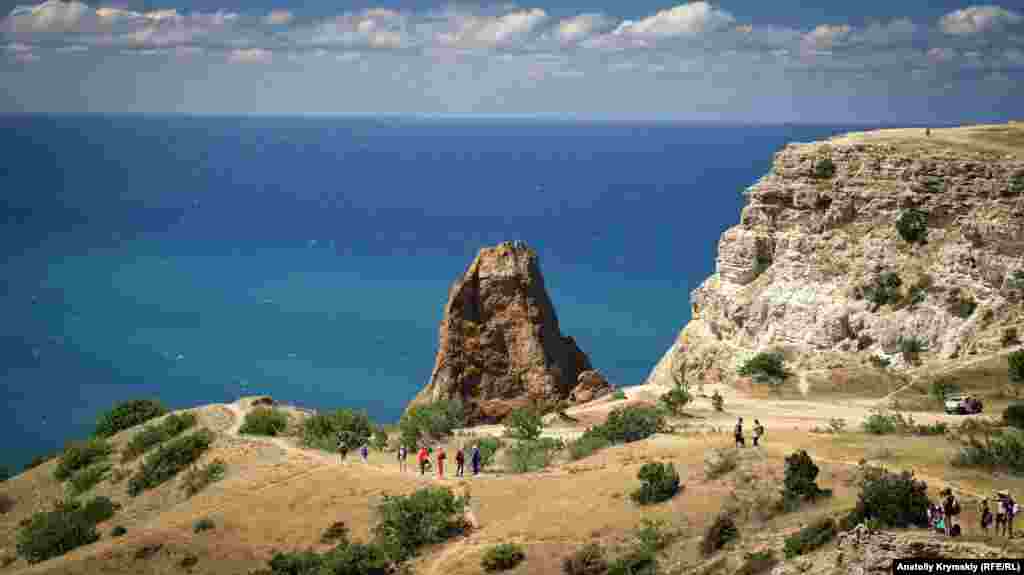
<point x="500" y="346"/>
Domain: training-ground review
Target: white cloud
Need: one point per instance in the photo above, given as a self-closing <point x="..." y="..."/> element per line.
<point x="278" y="17"/>
<point x="825" y="37"/>
<point x="580" y="27"/>
<point x="473" y="31"/>
<point x="941" y="54"/>
<point x="686" y="19"/>
<point x="250" y="56"/>
<point x="377" y="28"/>
<point x="50" y="16"/>
<point x="977" y="20"/>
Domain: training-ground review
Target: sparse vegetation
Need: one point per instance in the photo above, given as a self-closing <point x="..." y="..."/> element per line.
<point x="912" y="226"/>
<point x="264" y="421"/>
<point x="435" y="421"/>
<point x="1013" y="415"/>
<point x="198" y="478"/>
<point x="765" y="367"/>
<point x="524" y="423"/>
<point x="380" y="439"/>
<point x="883" y="289"/>
<point x="630" y="423"/>
<point x="719" y="462"/>
<point x="800" y="480"/>
<point x="85" y="479"/>
<point x="721" y="532"/>
<point x="883" y="423"/>
<point x="587" y="560"/>
<point x="999" y="450"/>
<point x="168" y="460"/>
<point x="532" y="455"/>
<point x="941" y="389"/>
<point x="70" y="525"/>
<point x="502" y="557"/>
<point x="757" y="562"/>
<point x="619" y="395"/>
<point x="675" y="399"/>
<point x="910" y="347"/>
<point x="204" y="524"/>
<point x="587" y="445"/>
<point x="810" y="538"/>
<point x="489" y="447"/>
<point x="837" y="424"/>
<point x="338" y="531"/>
<point x="118" y="531"/>
<point x="880" y="362"/>
<point x="408" y="522"/>
<point x="889" y="499"/>
<point x="153" y="435"/>
<point x="1015" y="367"/>
<point x="1010" y="337"/>
<point x="79" y="455"/>
<point x="824" y="168"/>
<point x="960" y="304"/>
<point x="322" y="430"/>
<point x="128" y="414"/>
<point x="1016" y="281"/>
<point x="659" y="482"/>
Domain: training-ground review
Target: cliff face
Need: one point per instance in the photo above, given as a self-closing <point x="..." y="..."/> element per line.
<point x="500" y="346"/>
<point x="795" y="275"/>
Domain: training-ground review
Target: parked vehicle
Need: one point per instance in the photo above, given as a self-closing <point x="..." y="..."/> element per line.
<point x="963" y="404"/>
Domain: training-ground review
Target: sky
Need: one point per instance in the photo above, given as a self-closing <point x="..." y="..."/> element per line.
<point x="760" y="61"/>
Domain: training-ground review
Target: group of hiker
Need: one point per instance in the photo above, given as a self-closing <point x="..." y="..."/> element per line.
<point x="738" y="433"/>
<point x="942" y="516"/>
<point x="423" y="458"/>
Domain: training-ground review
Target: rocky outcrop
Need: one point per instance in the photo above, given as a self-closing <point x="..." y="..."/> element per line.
<point x="792" y="275"/>
<point x="590" y="385"/>
<point x="500" y="346"/>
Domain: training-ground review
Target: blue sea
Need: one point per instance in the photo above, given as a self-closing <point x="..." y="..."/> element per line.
<point x="197" y="259"/>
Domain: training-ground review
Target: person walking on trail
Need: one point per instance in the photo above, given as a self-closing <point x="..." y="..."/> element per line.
<point x="738" y="433"/>
<point x="476" y="459"/>
<point x="986" y="517"/>
<point x="342" y="447"/>
<point x="424" y="458"/>
<point x="758" y="431"/>
<point x="1005" y="512"/>
<point x="460" y="463"/>
<point x="402" y="455"/>
<point x="950" y="508"/>
<point x="364" y="451"/>
<point x="440" y="462"/>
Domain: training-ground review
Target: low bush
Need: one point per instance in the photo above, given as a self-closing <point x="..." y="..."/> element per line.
<point x="489" y="447"/>
<point x="941" y="389"/>
<point x="883" y="288"/>
<point x="264" y="421"/>
<point x="1015" y="367"/>
<point x="587" y="445"/>
<point x="524" y="423"/>
<point x="719" y="462"/>
<point x="338" y="531"/>
<point x="118" y="531"/>
<point x="128" y="414"/>
<point x="408" y="522"/>
<point x="810" y="538"/>
<point x="631" y="423"/>
<point x="198" y="478"/>
<point x="168" y="460"/>
<point x="635" y="561"/>
<point x="85" y="479"/>
<point x="99" y="509"/>
<point x="654" y="534"/>
<point x="960" y="304"/>
<point x="765" y="367"/>
<point x="800" y="479"/>
<point x="70" y="525"/>
<point x="912" y="226"/>
<point x="824" y="168"/>
<point x="79" y="455"/>
<point x="322" y="430"/>
<point x="619" y="395"/>
<point x="883" y="423"/>
<point x="502" y="557"/>
<point x="345" y="559"/>
<point x="757" y="562"/>
<point x="910" y="347"/>
<point x="659" y="482"/>
<point x="880" y="423"/>
<point x="433" y="421"/>
<point x="837" y="425"/>
<point x="153" y="435"/>
<point x="1013" y="415"/>
<point x="999" y="450"/>
<point x="675" y="399"/>
<point x="534" y="455"/>
<point x="889" y="499"/>
<point x="380" y="440"/>
<point x="587" y="560"/>
<point x="204" y="524"/>
<point x="721" y="532"/>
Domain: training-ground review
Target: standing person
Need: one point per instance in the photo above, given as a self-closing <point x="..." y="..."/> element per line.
<point x="986" y="517"/>
<point x="365" y="452"/>
<point x="423" y="458"/>
<point x="342" y="448"/>
<point x="460" y="463"/>
<point x="758" y="431"/>
<point x="476" y="459"/>
<point x="1008" y="510"/>
<point x="402" y="455"/>
<point x="440" y="462"/>
<point x="950" y="508"/>
<point x="738" y="433"/>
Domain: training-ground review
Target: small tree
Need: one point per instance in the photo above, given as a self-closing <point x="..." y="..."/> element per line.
<point x="408" y="522"/>
<point x="883" y="288"/>
<point x="824" y="168"/>
<point x="892" y="500"/>
<point x="801" y="473"/>
<point x="912" y="226"/>
<point x="660" y="482"/>
<point x="765" y="367"/>
<point x="524" y="423"/>
<point x="677" y="398"/>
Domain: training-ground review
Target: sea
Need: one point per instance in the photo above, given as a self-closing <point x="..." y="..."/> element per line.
<point x="196" y="259"/>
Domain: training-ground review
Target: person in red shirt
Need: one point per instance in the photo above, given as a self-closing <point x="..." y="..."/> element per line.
<point x="423" y="457"/>
<point x="440" y="461"/>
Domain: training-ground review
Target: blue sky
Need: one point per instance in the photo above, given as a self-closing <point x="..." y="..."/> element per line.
<point x="748" y="61"/>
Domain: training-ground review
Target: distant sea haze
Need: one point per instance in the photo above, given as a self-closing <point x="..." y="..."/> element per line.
<point x="196" y="259"/>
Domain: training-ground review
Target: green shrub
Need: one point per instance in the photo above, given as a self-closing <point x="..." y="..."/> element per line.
<point x="198" y="478"/>
<point x="53" y="533"/>
<point x="587" y="445"/>
<point x="128" y="414"/>
<point x="434" y="421"/>
<point x="675" y="399"/>
<point x="890" y="499"/>
<point x="152" y="435"/>
<point x="587" y="560"/>
<point x="721" y="531"/>
<point x="297" y="563"/>
<point x="631" y="423"/>
<point x="356" y="559"/>
<point x="1015" y="366"/>
<point x="941" y="389"/>
<point x="322" y="430"/>
<point x="960" y="305"/>
<point x="502" y="557"/>
<point x="79" y="455"/>
<point x="1017" y="183"/>
<point x="1016" y="280"/>
<point x="338" y="531"/>
<point x="619" y="395"/>
<point x="264" y="421"/>
<point x="489" y="447"/>
<point x="1003" y="450"/>
<point x="883" y="288"/>
<point x="204" y="524"/>
<point x="168" y="460"/>
<point x="824" y="168"/>
<point x="765" y="367"/>
<point x="910" y="347"/>
<point x="85" y="479"/>
<point x="408" y="522"/>
<point x="912" y="226"/>
<point x="717" y="401"/>
<point x="800" y="480"/>
<point x="659" y="482"/>
<point x="527" y="456"/>
<point x="524" y="423"/>
<point x="118" y="531"/>
<point x="99" y="509"/>
<point x="636" y="561"/>
<point x="810" y="538"/>
<point x="1013" y="415"/>
<point x="757" y="562"/>
<point x="380" y="440"/>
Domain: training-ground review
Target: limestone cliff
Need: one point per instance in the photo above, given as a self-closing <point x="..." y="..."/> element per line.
<point x="500" y="346"/>
<point x="820" y="230"/>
